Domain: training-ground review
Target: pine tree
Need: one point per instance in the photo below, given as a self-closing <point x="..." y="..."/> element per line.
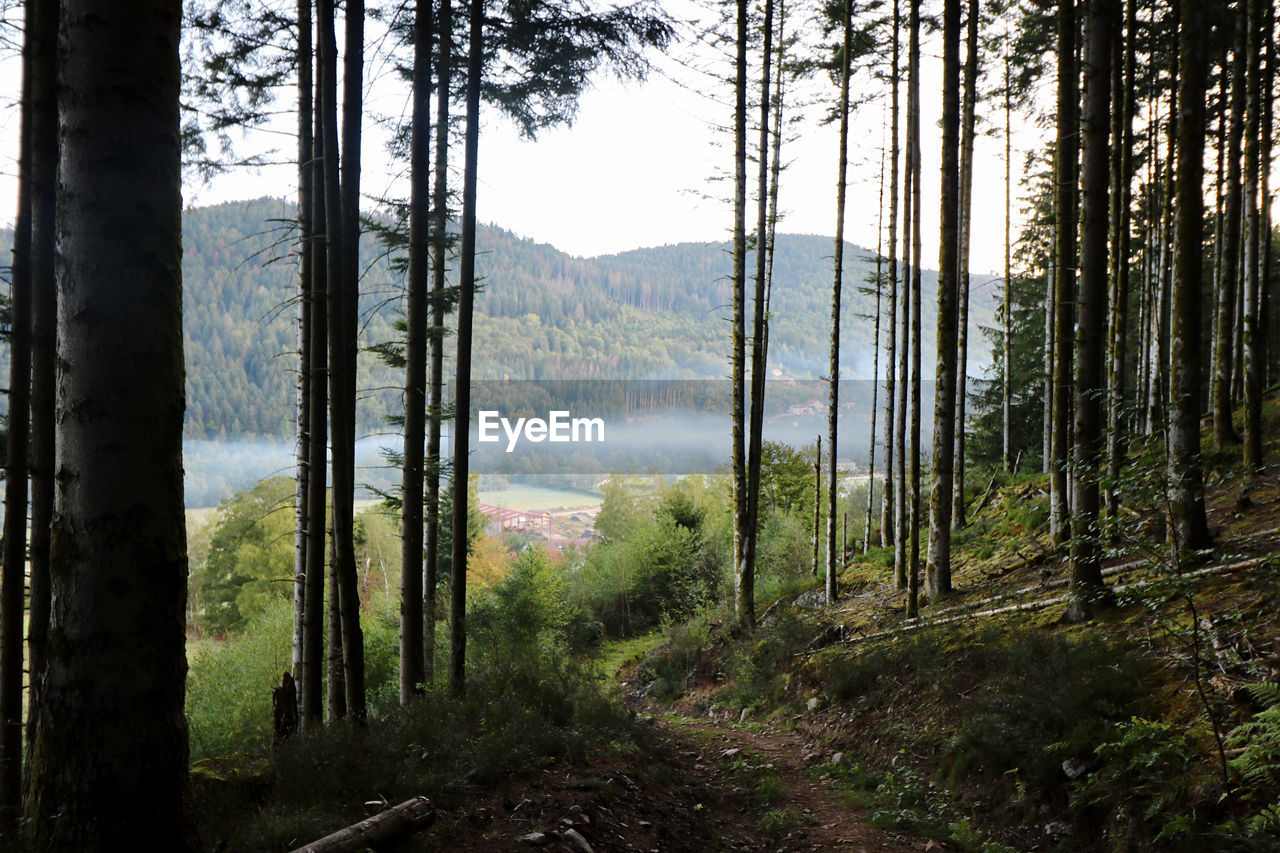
<point x="111" y="741"/>
<point x="1188" y="527"/>
<point x="944" y="416"/>
<point x="1090" y="441"/>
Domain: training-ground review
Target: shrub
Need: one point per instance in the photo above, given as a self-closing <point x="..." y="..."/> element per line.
<point x="1051" y="698"/>
<point x="229" y="686"/>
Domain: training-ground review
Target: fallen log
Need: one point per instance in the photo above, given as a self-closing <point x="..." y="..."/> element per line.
<point x="396" y="822"/>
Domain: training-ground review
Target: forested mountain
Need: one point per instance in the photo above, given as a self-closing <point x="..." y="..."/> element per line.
<point x="542" y="314"/>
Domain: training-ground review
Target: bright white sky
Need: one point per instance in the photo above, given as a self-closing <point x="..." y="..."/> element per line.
<point x="633" y="170"/>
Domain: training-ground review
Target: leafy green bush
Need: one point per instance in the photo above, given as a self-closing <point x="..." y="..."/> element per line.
<point x="663" y="568"/>
<point x="670" y="668"/>
<point x="229" y="686"/>
<point x="229" y="682"/>
<point x="760" y="666"/>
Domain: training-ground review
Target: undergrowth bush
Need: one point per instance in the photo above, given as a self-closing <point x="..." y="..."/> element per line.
<point x="229" y="686"/>
<point x="1051" y="698"/>
<point x="229" y="683"/>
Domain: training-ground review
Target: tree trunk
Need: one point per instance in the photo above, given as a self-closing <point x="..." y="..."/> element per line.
<point x="901" y="550"/>
<point x="759" y="353"/>
<point x="1188" y="527"/>
<point x="344" y="439"/>
<point x="888" y="516"/>
<point x="336" y="675"/>
<point x="1268" y="139"/>
<point x="311" y="712"/>
<point x="44" y="320"/>
<point x="1121" y="192"/>
<point x="466" y="306"/>
<point x="875" y="362"/>
<point x="335" y="250"/>
<point x="1064" y="281"/>
<point x="743" y="603"/>
<point x="13" y="577"/>
<point x="302" y="451"/>
<point x="1090" y="441"/>
<point x="968" y="122"/>
<point x="938" y="575"/>
<point x="913" y="113"/>
<point x="1006" y="349"/>
<point x="439" y="249"/>
<point x="110" y="758"/>
<point x="1050" y="327"/>
<point x="378" y="831"/>
<point x="817" y="505"/>
<point x="833" y="385"/>
<point x="412" y="666"/>
<point x="1253" y="244"/>
<point x="1224" y="432"/>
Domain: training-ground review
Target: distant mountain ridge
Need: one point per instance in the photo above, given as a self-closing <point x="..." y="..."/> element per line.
<point x="647" y="313"/>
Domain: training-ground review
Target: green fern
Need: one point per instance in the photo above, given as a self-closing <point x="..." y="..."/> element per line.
<point x="1259" y="763"/>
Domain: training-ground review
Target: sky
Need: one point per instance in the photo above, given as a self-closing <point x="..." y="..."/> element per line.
<point x="634" y="168"/>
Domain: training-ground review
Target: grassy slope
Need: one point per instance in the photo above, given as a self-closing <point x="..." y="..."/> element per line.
<point x="973" y="716"/>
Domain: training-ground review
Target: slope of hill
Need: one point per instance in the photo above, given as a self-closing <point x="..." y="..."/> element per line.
<point x="648" y="313"/>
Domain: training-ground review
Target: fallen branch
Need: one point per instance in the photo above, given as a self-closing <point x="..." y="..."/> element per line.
<point x="396" y="822"/>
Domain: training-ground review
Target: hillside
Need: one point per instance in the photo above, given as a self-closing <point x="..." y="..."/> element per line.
<point x="648" y="313"/>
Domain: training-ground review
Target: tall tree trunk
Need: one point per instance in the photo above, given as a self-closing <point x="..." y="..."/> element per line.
<point x="938" y="575"/>
<point x="302" y="447"/>
<point x="1091" y="344"/>
<point x="743" y="603"/>
<point x="110" y="759"/>
<point x="968" y="122"/>
<point x="335" y="273"/>
<point x="888" y="516"/>
<point x="1224" y="433"/>
<point x="759" y="354"/>
<point x="13" y="577"/>
<point x="1064" y="281"/>
<point x="344" y="440"/>
<point x="412" y="665"/>
<point x="462" y="404"/>
<point x="913" y="113"/>
<point x="833" y="386"/>
<point x="1268" y="139"/>
<point x="1006" y="348"/>
<point x="439" y="250"/>
<point x="901" y="551"/>
<point x="1050" y="328"/>
<point x="875" y="363"/>
<point x="1253" y="243"/>
<point x="44" y="320"/>
<point x="1121" y="195"/>
<point x="1188" y="527"/>
<point x="310" y="695"/>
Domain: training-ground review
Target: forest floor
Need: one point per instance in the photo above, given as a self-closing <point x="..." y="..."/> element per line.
<point x="690" y="784"/>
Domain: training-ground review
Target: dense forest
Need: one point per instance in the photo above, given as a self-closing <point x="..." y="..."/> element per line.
<point x="1043" y="615"/>
<point x="646" y="314"/>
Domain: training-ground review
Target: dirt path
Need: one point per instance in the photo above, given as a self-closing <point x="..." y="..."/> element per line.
<point x="823" y="819"/>
<point x="682" y="789"/>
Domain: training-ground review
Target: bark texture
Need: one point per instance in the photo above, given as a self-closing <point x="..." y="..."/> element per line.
<point x="110" y="759"/>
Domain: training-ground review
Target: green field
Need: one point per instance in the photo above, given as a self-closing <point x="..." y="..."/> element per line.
<point x="522" y="496"/>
